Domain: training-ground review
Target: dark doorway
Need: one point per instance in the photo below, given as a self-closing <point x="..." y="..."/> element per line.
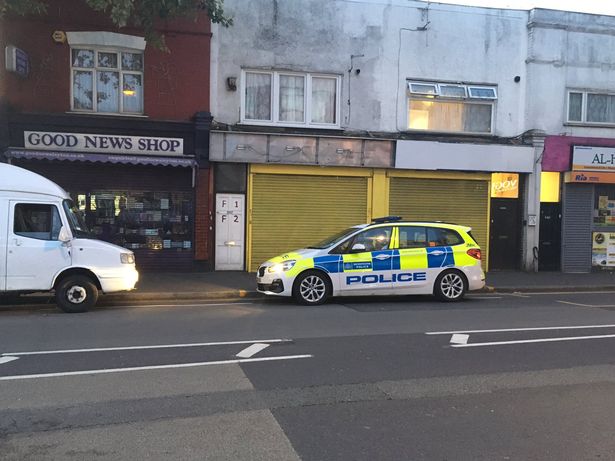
<point x="504" y="252"/>
<point x="550" y="237"/>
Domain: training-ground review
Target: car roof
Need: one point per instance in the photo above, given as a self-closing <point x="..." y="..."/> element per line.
<point x="447" y="225"/>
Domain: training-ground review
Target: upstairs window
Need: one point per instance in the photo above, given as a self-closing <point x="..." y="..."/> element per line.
<point x="289" y="98"/>
<point x="591" y="107"/>
<point x="107" y="81"/>
<point x="449" y="107"/>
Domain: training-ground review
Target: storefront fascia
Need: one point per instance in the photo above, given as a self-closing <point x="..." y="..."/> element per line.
<point x="123" y="184"/>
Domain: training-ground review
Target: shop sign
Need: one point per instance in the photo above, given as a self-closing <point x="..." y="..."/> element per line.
<point x="105" y="143"/>
<point x="17" y="60"/>
<point x="589" y="158"/>
<point x="603" y="249"/>
<point x="504" y="185"/>
<point x="589" y="177"/>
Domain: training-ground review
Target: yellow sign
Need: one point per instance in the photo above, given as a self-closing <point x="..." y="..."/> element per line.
<point x="504" y="185"/>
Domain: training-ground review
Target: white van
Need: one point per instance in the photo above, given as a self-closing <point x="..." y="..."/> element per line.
<point x="45" y="245"/>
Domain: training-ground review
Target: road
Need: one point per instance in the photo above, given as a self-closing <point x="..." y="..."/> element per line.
<point x="496" y="377"/>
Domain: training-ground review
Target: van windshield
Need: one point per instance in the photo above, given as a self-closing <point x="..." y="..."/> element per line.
<point x="326" y="243"/>
<point x="76" y="221"/>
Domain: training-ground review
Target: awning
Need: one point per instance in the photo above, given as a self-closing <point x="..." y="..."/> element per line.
<point x="183" y="161"/>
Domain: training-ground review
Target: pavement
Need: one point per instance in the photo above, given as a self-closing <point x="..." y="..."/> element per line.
<point x="167" y="286"/>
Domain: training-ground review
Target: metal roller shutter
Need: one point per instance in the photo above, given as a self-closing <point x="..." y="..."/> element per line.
<point x="464" y="202"/>
<point x="577" y="228"/>
<point x="294" y="211"/>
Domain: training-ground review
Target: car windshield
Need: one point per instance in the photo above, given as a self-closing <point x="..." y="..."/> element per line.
<point x="76" y="221"/>
<point x="326" y="243"/>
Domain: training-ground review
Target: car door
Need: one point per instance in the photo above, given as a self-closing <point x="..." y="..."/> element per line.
<point x="4" y="224"/>
<point x="367" y="262"/>
<point x="410" y="273"/>
<point x="34" y="252"/>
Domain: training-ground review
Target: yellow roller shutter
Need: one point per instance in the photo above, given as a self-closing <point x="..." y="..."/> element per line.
<point x="294" y="211"/>
<point x="458" y="201"/>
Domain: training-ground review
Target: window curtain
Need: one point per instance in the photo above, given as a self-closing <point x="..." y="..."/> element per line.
<point x="258" y="96"/>
<point x="323" y="100"/>
<point x="108" y="91"/>
<point x="82" y="90"/>
<point x="600" y="108"/>
<point x="292" y="98"/>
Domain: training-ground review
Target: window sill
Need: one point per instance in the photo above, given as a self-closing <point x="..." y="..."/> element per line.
<point x="105" y="114"/>
<point x="590" y="125"/>
<point x="290" y="125"/>
<point x="449" y="133"/>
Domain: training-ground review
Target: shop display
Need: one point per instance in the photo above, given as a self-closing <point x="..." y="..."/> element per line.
<point x="141" y="220"/>
<point x="603" y="249"/>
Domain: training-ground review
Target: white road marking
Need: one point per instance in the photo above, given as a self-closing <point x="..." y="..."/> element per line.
<point x="7" y="359"/>
<point x="152" y="367"/>
<point x="162" y="346"/>
<point x="565" y="292"/>
<point x="483" y="297"/>
<point x="576" y="327"/>
<point x="586" y="305"/>
<point x="517" y="295"/>
<point x="459" y="339"/>
<point x="527" y="341"/>
<point x="251" y="350"/>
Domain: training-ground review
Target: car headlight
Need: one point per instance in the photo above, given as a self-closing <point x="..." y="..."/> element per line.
<point x="281" y="267"/>
<point x="127" y="258"/>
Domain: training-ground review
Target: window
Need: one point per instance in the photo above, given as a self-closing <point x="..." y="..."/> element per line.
<point x="107" y="81"/>
<point x="451" y="107"/>
<point x="37" y="221"/>
<point x="375" y="239"/>
<point x="591" y="108"/>
<point x="289" y="98"/>
<point x="421" y="237"/>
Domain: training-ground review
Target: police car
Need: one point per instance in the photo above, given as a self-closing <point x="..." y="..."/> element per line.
<point x="387" y="256"/>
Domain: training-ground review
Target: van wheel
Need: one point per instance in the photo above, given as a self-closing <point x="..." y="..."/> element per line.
<point x="312" y="288"/>
<point x="76" y="293"/>
<point x="450" y="286"/>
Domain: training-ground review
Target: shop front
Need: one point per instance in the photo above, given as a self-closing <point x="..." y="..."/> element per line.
<point x="588" y="221"/>
<point x="136" y="191"/>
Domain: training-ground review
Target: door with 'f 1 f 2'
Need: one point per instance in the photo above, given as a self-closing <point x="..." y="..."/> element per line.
<point x="230" y="231"/>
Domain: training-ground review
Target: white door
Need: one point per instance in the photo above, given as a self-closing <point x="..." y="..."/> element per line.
<point x="4" y="227"/>
<point x="34" y="253"/>
<point x="230" y="231"/>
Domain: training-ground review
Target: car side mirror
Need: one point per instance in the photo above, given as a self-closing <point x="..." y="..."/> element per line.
<point x="358" y="248"/>
<point x="64" y="236"/>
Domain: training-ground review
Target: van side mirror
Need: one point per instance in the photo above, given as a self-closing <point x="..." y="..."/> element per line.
<point x="358" y="248"/>
<point x="64" y="236"/>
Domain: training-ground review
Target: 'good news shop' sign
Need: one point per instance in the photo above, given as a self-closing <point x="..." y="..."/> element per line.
<point x="106" y="143"/>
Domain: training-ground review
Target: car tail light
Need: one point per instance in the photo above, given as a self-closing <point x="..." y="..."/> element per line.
<point x="475" y="253"/>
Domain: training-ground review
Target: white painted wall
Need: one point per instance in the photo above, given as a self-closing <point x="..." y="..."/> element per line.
<point x="399" y="39"/>
<point x="567" y="50"/>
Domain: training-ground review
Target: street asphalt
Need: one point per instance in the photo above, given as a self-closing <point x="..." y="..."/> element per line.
<point x="511" y="376"/>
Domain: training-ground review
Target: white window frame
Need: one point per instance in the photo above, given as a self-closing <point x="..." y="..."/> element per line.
<point x="467" y="99"/>
<point x="94" y="70"/>
<point x="275" y="99"/>
<point x="584" y="95"/>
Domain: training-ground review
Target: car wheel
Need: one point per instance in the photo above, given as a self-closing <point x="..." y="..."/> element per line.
<point x="312" y="288"/>
<point x="76" y="293"/>
<point x="450" y="286"/>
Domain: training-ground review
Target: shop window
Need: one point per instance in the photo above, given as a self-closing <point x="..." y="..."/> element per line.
<point x="37" y="221"/>
<point x="549" y="186"/>
<point x="604" y="206"/>
<point x="448" y="107"/>
<point x="141" y="220"/>
<point x="294" y="99"/>
<point x="591" y="107"/>
<point x="106" y="80"/>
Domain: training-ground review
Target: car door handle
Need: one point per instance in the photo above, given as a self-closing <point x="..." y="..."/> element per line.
<point x="437" y="253"/>
<point x="382" y="257"/>
<point x="17" y="242"/>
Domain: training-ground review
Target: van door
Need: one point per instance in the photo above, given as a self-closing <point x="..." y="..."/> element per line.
<point x="4" y="226"/>
<point x="34" y="253"/>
